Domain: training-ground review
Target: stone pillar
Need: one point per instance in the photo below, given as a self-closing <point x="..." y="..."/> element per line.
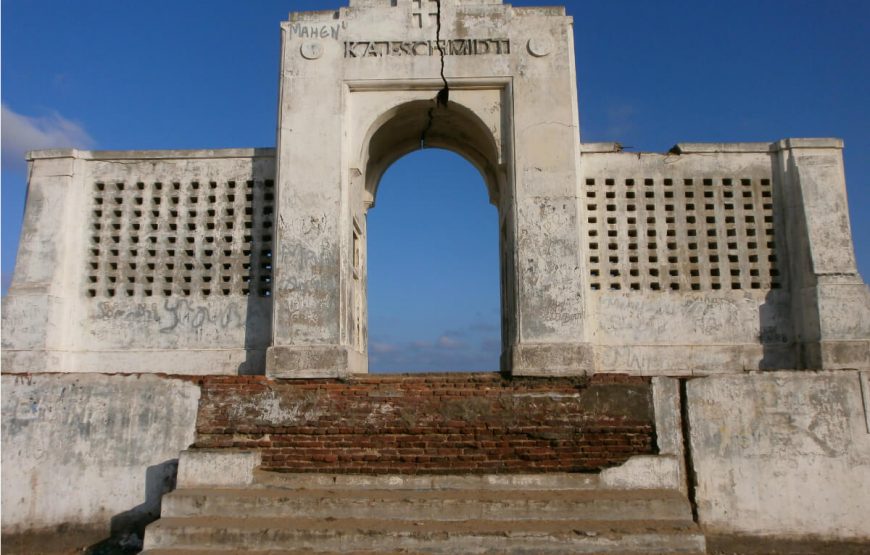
<point x="830" y="302"/>
<point x="551" y="288"/>
<point x="307" y="335"/>
<point x="36" y="309"/>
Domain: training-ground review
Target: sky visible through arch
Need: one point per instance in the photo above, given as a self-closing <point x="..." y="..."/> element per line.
<point x="187" y="74"/>
<point x="433" y="267"/>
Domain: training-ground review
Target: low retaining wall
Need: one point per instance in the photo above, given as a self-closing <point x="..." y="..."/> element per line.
<point x="91" y="452"/>
<point x="781" y="454"/>
<point x="430" y="423"/>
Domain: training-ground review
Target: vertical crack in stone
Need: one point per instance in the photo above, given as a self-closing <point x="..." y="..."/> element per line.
<point x="443" y="95"/>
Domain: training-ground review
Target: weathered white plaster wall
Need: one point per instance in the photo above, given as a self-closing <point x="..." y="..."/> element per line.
<point x="90" y="450"/>
<point x="784" y="453"/>
<point x="686" y="257"/>
<point x="144" y="261"/>
<point x="700" y="259"/>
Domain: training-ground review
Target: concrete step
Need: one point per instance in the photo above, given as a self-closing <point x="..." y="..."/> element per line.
<point x="433" y="537"/>
<point x="545" y="481"/>
<point x="176" y="551"/>
<point x="432" y="505"/>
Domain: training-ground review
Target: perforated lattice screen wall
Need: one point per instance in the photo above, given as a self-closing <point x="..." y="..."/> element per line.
<point x="680" y="234"/>
<point x="192" y="238"/>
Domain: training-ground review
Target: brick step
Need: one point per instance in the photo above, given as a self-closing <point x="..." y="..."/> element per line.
<point x="449" y="424"/>
<point x="431" y="505"/>
<point x="468" y="537"/>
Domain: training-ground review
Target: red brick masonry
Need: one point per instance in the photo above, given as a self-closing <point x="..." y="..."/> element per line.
<point x="430" y="423"/>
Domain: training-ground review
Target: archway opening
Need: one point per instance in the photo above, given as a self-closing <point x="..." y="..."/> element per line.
<point x="433" y="267"/>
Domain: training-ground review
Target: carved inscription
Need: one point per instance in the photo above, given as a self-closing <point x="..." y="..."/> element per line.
<point x="457" y="47"/>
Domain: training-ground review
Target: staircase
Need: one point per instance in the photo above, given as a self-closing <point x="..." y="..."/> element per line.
<point x="432" y="464"/>
<point x="284" y="513"/>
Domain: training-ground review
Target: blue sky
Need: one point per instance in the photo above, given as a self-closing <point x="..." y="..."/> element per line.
<point x="190" y="74"/>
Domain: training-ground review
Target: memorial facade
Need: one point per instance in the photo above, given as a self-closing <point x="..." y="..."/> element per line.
<point x="716" y="261"/>
<point x="713" y="256"/>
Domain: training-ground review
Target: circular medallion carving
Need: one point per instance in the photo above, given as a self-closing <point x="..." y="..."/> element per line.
<point x="540" y="46"/>
<point x="311" y="50"/>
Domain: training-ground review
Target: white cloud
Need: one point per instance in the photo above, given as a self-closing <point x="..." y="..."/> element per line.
<point x="21" y="133"/>
<point x="447" y="342"/>
<point x="382" y="348"/>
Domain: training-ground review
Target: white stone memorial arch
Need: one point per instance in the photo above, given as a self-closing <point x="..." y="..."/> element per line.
<point x="375" y="69"/>
<point x="709" y="258"/>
